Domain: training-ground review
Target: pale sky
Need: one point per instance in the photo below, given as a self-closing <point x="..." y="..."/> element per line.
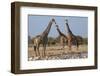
<point x="38" y="23"/>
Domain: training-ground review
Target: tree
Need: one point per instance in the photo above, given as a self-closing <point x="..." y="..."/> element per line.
<point x="51" y="41"/>
<point x="29" y="40"/>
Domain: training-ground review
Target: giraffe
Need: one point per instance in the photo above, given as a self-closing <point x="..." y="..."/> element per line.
<point x="71" y="37"/>
<point x="63" y="37"/>
<point x="43" y="39"/>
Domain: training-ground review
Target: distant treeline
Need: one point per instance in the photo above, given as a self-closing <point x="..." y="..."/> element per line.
<point x="56" y="41"/>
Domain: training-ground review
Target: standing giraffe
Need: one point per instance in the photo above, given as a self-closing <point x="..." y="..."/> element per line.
<point x="63" y="37"/>
<point x="43" y="39"/>
<point x="71" y="37"/>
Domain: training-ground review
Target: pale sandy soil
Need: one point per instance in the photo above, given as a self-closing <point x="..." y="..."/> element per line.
<point x="56" y="52"/>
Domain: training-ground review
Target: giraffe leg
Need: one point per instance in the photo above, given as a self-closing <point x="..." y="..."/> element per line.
<point x="76" y="42"/>
<point x="69" y="44"/>
<point x="63" y="45"/>
<point x="44" y="53"/>
<point x="35" y="49"/>
<point x="38" y="51"/>
<point x="77" y="46"/>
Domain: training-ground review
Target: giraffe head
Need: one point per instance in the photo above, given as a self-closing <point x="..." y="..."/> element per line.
<point x="57" y="26"/>
<point x="66" y="20"/>
<point x="53" y="20"/>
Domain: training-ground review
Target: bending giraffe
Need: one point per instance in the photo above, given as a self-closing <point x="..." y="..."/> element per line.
<point x="71" y="37"/>
<point x="42" y="39"/>
<point x="63" y="37"/>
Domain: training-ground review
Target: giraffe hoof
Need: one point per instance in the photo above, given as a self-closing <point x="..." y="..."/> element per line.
<point x="36" y="58"/>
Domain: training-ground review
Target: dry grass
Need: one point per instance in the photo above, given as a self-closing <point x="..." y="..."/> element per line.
<point x="56" y="52"/>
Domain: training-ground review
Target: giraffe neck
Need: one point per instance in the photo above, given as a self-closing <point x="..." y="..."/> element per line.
<point x="60" y="33"/>
<point x="68" y="29"/>
<point x="47" y="30"/>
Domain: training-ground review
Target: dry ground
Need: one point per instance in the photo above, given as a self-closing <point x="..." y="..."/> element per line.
<point x="56" y="52"/>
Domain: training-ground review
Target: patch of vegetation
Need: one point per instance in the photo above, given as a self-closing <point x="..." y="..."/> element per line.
<point x="55" y="41"/>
